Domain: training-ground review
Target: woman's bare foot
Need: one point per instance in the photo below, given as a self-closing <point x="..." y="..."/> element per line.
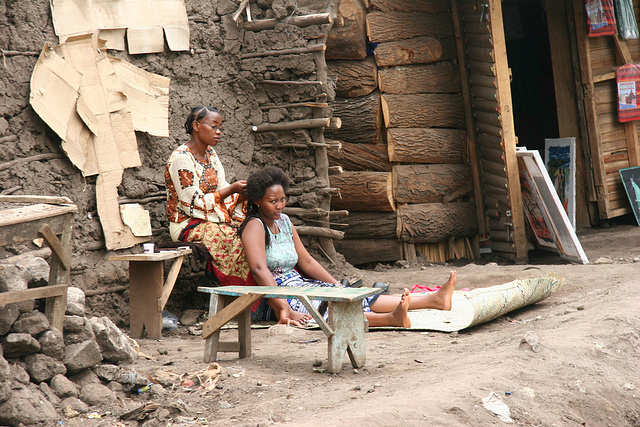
<point x="401" y="313"/>
<point x="443" y="296"/>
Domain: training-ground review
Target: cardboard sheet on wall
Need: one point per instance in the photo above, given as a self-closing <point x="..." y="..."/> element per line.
<point x="543" y="209"/>
<point x="145" y="21"/>
<point x="96" y="114"/>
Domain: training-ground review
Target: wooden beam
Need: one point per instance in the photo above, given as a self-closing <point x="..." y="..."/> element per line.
<point x="169" y="282"/>
<point x="222" y="317"/>
<point x="298" y="21"/>
<point x="291" y="51"/>
<point x="37" y="157"/>
<point x="327" y="233"/>
<point x="57" y="249"/>
<point x="34" y="293"/>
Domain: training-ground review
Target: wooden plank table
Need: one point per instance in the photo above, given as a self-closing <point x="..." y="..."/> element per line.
<point x="148" y="290"/>
<point x="345" y="328"/>
<point x="47" y="221"/>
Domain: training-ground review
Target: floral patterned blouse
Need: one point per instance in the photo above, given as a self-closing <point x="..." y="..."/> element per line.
<point x="193" y="191"/>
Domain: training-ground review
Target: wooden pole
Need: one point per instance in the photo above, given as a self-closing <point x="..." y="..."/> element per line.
<point x="298" y="21"/>
<point x="293" y="51"/>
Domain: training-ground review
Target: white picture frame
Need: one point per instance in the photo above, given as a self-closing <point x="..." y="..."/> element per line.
<point x="550" y="213"/>
<point x="560" y="162"/>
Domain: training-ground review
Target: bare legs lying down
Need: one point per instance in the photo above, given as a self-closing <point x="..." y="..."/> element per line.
<point x="392" y="310"/>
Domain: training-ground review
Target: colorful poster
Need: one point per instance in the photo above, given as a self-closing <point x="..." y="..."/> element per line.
<point x="628" y="82"/>
<point x="631" y="181"/>
<point x="560" y="160"/>
<point x="600" y="18"/>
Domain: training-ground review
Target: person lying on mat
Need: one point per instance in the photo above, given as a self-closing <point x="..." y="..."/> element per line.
<point x="273" y="248"/>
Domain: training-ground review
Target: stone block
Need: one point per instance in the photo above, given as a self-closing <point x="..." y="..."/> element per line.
<point x="20" y="344"/>
<point x="116" y="346"/>
<point x="81" y="356"/>
<point x="8" y="315"/>
<point x="27" y="406"/>
<point x="33" y="323"/>
<point x="63" y="387"/>
<point x="52" y="343"/>
<point x="42" y="367"/>
<point x="97" y="394"/>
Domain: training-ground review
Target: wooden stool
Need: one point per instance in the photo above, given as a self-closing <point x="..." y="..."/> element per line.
<point x="148" y="291"/>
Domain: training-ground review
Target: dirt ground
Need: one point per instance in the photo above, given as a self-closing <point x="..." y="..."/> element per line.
<point x="586" y="372"/>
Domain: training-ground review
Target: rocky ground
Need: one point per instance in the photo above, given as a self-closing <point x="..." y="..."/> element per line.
<point x="583" y="371"/>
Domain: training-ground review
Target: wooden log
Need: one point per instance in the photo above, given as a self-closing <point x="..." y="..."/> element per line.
<point x="391" y="26"/>
<point x="292" y="125"/>
<point x="335" y="170"/>
<point x="423" y="110"/>
<point x="490" y="106"/>
<point x="314" y="213"/>
<point x="37" y="157"/>
<point x="362" y="251"/>
<point x="441" y="77"/>
<point x="426" y="145"/>
<point x="363" y="191"/>
<point x="18" y="53"/>
<point x="482" y="54"/>
<point x="361" y="157"/>
<point x="354" y="78"/>
<point x="293" y="82"/>
<point x="348" y="41"/>
<point x="484" y="92"/>
<point x="372" y="225"/>
<point x="430" y="183"/>
<point x="52" y="200"/>
<point x="492" y="119"/>
<point x="40" y="253"/>
<point x="486" y="68"/>
<point x="427" y="6"/>
<point x="292" y="51"/>
<point x="419" y="50"/>
<point x="8" y="138"/>
<point x="298" y="21"/>
<point x="296" y="105"/>
<point x="449" y="49"/>
<point x="433" y="222"/>
<point x="478" y="79"/>
<point x="478" y="40"/>
<point x="327" y="233"/>
<point x="361" y="119"/>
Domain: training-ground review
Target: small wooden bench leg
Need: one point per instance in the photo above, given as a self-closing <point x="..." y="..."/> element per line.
<point x="212" y="342"/>
<point x="55" y="308"/>
<point x="347" y="321"/>
<point x="244" y="333"/>
<point x="145" y="288"/>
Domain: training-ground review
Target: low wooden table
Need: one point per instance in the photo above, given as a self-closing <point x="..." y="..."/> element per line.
<point x="148" y="291"/>
<point x="345" y="329"/>
<point x="47" y="218"/>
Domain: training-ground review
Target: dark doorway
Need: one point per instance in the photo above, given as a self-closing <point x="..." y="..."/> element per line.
<point x="532" y="90"/>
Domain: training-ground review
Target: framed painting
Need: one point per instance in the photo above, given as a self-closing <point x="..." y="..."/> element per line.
<point x="548" y="221"/>
<point x="631" y="181"/>
<point x="560" y="161"/>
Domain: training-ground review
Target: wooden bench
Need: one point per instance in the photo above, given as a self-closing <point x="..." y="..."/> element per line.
<point x="345" y="329"/>
<point x="47" y="218"/>
<point x="148" y="290"/>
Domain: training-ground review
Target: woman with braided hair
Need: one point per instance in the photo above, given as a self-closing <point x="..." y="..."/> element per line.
<point x="274" y="249"/>
<point x="202" y="206"/>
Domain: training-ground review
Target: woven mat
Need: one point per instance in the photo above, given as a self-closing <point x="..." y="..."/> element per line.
<point x="481" y="305"/>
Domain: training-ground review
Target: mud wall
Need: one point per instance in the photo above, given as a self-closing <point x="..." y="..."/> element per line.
<point x="212" y="73"/>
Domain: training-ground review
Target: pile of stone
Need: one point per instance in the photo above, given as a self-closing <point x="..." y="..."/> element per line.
<point x="47" y="374"/>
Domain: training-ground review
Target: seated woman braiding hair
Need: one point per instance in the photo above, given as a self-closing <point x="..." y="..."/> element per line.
<point x="274" y="248"/>
<point x="202" y="206"/>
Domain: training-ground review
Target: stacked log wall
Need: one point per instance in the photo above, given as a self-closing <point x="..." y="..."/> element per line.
<point x="410" y="87"/>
